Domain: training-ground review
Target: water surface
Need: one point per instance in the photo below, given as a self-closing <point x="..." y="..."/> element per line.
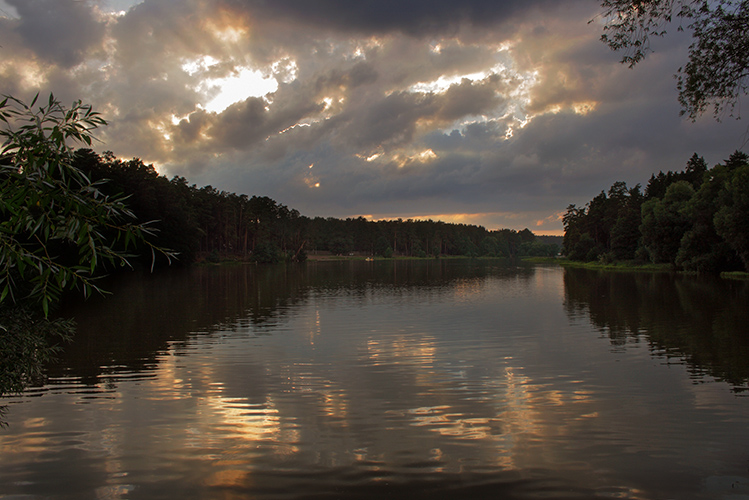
<point x="443" y="379"/>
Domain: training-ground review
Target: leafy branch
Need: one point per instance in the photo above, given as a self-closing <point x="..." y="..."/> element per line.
<point x="58" y="231"/>
<point x="717" y="72"/>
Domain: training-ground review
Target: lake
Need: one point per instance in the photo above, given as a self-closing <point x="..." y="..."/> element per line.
<point x="392" y="379"/>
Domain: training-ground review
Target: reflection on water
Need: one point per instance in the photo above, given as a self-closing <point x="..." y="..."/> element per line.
<point x="438" y="379"/>
<point x="702" y="320"/>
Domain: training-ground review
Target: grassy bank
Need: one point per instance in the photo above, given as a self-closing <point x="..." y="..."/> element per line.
<point x="619" y="266"/>
<point x="543" y="260"/>
<point x="634" y="266"/>
<point x="735" y="275"/>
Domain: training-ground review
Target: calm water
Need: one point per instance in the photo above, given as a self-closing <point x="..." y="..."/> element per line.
<point x="392" y="380"/>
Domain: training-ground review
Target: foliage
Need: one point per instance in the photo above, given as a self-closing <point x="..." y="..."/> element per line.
<point x="609" y="224"/>
<point x="732" y="220"/>
<point x="58" y="230"/>
<point x="717" y="71"/>
<point x="695" y="219"/>
<point x="665" y="221"/>
<point x="25" y="346"/>
<point x="267" y="253"/>
<point x="163" y="205"/>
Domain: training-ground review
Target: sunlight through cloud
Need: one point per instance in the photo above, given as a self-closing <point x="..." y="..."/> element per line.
<point x="422" y="157"/>
<point x="443" y="83"/>
<point x="246" y="83"/>
<point x="243" y="83"/>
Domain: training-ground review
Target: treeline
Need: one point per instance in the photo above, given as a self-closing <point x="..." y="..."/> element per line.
<point x="205" y="223"/>
<point x="696" y="219"/>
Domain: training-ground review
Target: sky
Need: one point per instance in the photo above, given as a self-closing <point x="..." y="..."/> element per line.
<point x="487" y="112"/>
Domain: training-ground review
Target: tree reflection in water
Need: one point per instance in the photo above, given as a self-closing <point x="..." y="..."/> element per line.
<point x="701" y="320"/>
<point x="149" y="314"/>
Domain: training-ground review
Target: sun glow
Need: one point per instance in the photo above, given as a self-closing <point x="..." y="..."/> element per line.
<point x="422" y="157"/>
<point x="310" y="179"/>
<point x="199" y="65"/>
<point x="31" y="74"/>
<point x="443" y="83"/>
<point x="244" y="84"/>
<point x="285" y="70"/>
<point x="583" y="108"/>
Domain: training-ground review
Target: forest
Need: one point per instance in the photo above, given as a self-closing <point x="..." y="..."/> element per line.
<point x="205" y="224"/>
<point x="695" y="220"/>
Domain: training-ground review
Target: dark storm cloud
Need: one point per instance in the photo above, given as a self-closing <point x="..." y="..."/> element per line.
<point x="390" y="121"/>
<point x="244" y="124"/>
<point x="379" y="16"/>
<point x="469" y="98"/>
<point x="361" y="73"/>
<point x="393" y="120"/>
<point x="60" y="31"/>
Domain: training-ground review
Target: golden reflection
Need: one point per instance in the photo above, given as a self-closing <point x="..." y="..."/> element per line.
<point x="335" y="404"/>
<point x="519" y="411"/>
<point x="582" y="395"/>
<point x="403" y="349"/>
<point x="236" y="419"/>
<point x="439" y="419"/>
<point x="467" y="289"/>
<point x="170" y="385"/>
<point x="226" y="478"/>
<point x="555" y="397"/>
<point x="248" y="421"/>
<point x="316" y="329"/>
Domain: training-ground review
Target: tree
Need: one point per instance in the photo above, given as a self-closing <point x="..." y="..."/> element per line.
<point x="665" y="221"/>
<point x="57" y="228"/>
<point x="717" y="71"/>
<point x="625" y="233"/>
<point x="731" y="221"/>
<point x="58" y="231"/>
<point x="166" y="205"/>
<point x="702" y="249"/>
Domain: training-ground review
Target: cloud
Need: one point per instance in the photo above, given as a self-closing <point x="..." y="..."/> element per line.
<point x="59" y="31"/>
<point x="497" y="112"/>
<point x="415" y="17"/>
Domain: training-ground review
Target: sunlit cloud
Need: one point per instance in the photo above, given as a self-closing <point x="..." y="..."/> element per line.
<point x="550" y="225"/>
<point x="310" y="179"/>
<point x="30" y="74"/>
<point x="443" y="83"/>
<point x="583" y="108"/>
<point x="236" y="88"/>
<point x="405" y="159"/>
